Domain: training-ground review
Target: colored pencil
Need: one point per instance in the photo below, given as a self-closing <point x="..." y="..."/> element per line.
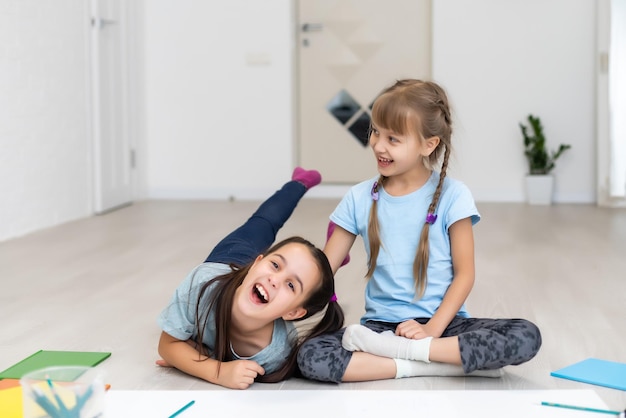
<point x="45" y="404"/>
<point x="581" y="408"/>
<point x="62" y="408"/>
<point x="181" y="409"/>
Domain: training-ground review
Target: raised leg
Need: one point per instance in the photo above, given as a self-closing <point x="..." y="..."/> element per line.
<point x="258" y="233"/>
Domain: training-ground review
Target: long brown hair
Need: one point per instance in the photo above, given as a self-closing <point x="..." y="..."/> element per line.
<point x="422" y="108"/>
<point x="221" y="299"/>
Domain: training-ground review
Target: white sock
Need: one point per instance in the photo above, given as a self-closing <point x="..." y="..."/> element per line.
<point x="360" y="338"/>
<point x="410" y="368"/>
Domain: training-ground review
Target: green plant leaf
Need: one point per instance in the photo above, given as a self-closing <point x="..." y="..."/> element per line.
<point x="537" y="156"/>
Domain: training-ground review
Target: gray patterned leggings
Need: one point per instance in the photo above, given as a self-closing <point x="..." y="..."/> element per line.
<point x="484" y="344"/>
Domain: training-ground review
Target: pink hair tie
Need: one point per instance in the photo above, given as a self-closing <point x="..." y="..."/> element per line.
<point x="333" y="298"/>
<point x="375" y="191"/>
<point x="431" y="218"/>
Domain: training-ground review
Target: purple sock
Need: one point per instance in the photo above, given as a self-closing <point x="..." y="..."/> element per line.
<point x="309" y="178"/>
<point x="329" y="232"/>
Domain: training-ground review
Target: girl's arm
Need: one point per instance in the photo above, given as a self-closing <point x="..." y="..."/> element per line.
<point x="338" y="246"/>
<point x="236" y="374"/>
<point x="462" y="249"/>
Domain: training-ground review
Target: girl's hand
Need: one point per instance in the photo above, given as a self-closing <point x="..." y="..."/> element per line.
<point x="414" y="330"/>
<point x="238" y="374"/>
<point x="337" y="247"/>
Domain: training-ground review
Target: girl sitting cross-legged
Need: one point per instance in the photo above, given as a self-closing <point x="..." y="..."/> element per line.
<point x="417" y="227"/>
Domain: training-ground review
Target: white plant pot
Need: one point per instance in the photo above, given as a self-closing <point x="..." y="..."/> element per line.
<point x="539" y="189"/>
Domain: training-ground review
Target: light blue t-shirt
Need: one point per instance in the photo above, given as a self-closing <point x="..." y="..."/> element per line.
<point x="390" y="292"/>
<point x="178" y="319"/>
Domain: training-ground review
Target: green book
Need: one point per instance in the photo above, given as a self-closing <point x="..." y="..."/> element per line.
<point x="44" y="358"/>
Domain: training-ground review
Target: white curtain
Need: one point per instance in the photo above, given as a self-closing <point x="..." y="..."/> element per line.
<point x="617" y="98"/>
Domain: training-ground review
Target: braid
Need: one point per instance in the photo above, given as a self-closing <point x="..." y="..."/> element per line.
<point x="442" y="127"/>
<point x="445" y="110"/>
<point x="420" y="265"/>
<point x="373" y="232"/>
<point x="442" y="175"/>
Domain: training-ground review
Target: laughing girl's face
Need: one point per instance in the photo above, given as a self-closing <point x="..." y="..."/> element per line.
<point x="278" y="284"/>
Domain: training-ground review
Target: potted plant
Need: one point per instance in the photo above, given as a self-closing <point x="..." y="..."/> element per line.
<point x="539" y="181"/>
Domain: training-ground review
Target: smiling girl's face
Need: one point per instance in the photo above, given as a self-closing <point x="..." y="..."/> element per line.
<point x="278" y="284"/>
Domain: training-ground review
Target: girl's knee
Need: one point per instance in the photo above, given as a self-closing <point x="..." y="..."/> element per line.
<point x="531" y="332"/>
<point x="306" y="362"/>
<point x="323" y="359"/>
<point x="305" y="357"/>
<point x="316" y="366"/>
<point x="529" y="338"/>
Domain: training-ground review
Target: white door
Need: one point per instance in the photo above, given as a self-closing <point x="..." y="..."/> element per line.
<point x="112" y="150"/>
<point x="349" y="50"/>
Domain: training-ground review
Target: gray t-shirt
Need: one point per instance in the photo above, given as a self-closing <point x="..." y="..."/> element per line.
<point x="178" y="319"/>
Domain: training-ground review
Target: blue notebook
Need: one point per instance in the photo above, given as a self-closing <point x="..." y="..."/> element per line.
<point x="606" y="373"/>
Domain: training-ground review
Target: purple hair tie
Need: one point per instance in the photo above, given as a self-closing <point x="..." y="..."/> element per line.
<point x="333" y="298"/>
<point x="375" y="191"/>
<point x="431" y="218"/>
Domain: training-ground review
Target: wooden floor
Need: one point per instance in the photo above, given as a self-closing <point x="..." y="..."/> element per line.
<point x="98" y="284"/>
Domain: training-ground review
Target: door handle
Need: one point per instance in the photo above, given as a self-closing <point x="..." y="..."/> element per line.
<point x="101" y="23"/>
<point x="312" y="27"/>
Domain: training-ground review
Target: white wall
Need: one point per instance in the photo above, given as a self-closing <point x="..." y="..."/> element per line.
<point x="500" y="61"/>
<point x="219" y="97"/>
<point x="45" y="175"/>
<point x="219" y="127"/>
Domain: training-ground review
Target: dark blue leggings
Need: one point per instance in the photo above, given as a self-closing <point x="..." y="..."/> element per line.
<point x="258" y="233"/>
